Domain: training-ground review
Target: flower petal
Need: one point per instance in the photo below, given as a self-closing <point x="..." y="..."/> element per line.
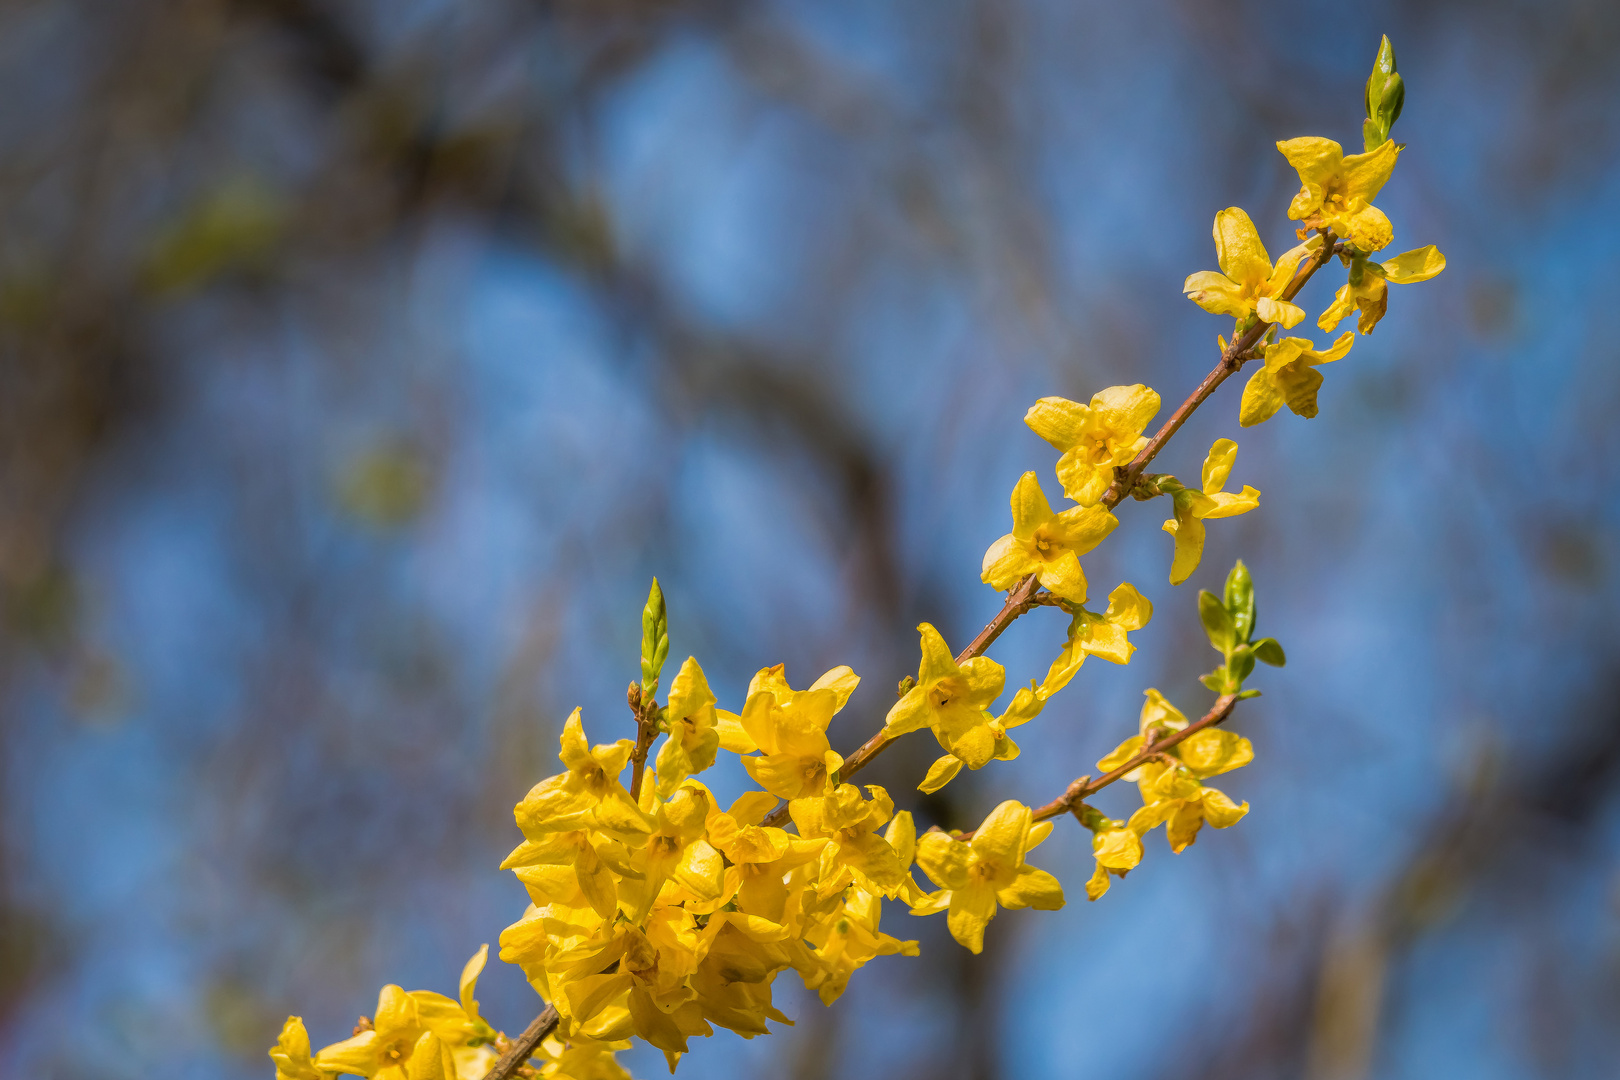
<point x="1238" y="249"/>
<point x="1414" y="266"/>
<point x="1032" y="888"/>
<point x="1261" y="399"/>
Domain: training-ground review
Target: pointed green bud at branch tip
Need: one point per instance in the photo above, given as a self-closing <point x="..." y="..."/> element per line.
<point x="1385" y="94"/>
<point x="654" y="640"/>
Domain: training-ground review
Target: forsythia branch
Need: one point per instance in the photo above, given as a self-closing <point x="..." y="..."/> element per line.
<point x="524" y="1046"/>
<point x="1085" y="787"/>
<point x="1232" y="361"/>
<point x="1026" y="594"/>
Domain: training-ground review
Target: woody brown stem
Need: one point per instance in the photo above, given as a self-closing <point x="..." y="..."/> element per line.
<point x="1023" y="596"/>
<point x="1232" y="360"/>
<point x="1085" y="787"/>
<point x="524" y="1046"/>
<point x="646" y="714"/>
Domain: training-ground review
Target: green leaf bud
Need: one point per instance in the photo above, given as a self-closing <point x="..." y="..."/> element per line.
<point x="654" y="639"/>
<point x="1240" y="602"/>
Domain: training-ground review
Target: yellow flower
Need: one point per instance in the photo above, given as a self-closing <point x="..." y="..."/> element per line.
<point x="456" y="1023"/>
<point x="1193" y="507"/>
<point x="1025" y="706"/>
<point x="653" y="978"/>
<point x="1290" y="378"/>
<point x="845" y="941"/>
<point x="291" y="1053"/>
<point x="950" y="700"/>
<point x="383" y="1051"/>
<point x="589" y="793"/>
<point x="675" y="851"/>
<point x="1171" y="790"/>
<point x="741" y="954"/>
<point x="1370" y="291"/>
<point x="840" y="680"/>
<point x="1117" y="849"/>
<point x="850" y="823"/>
<point x="1175" y="797"/>
<point x="1045" y="544"/>
<point x="975" y="877"/>
<point x="796" y="760"/>
<point x="1336" y="192"/>
<point x="761" y="859"/>
<point x="1094" y="438"/>
<point x="694" y="736"/>
<point x="1099" y="635"/>
<point x="1247" y="284"/>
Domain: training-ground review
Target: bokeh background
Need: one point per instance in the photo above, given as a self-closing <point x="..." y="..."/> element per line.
<point x="363" y="361"/>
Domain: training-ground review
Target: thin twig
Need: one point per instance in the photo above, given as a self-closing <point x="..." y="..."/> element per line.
<point x="1232" y="361"/>
<point x="1085" y="787"/>
<point x="646" y="714"/>
<point x="1023" y="596"/>
<point x="524" y="1046"/>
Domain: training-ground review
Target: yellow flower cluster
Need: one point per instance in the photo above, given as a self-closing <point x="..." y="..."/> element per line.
<point x="657" y="912"/>
<point x="1334" y="205"/>
<point x="418" y="1035"/>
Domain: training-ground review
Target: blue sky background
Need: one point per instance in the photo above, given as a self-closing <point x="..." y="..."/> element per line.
<point x="753" y="298"/>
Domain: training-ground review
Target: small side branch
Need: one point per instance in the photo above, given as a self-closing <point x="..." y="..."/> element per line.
<point x="1083" y="788"/>
<point x="645" y="711"/>
<point x="1236" y="355"/>
<point x="523" y="1047"/>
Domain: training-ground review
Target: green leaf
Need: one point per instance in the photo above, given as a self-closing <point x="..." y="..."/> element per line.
<point x="1240" y="602"/>
<point x="1244" y="695"/>
<point x="654" y="639"/>
<point x="1240" y="666"/>
<point x="1217" y="621"/>
<point x="1215" y="680"/>
<point x="1267" y="651"/>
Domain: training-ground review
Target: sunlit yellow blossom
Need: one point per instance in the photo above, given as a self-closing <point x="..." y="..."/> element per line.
<point x="675" y="850"/>
<point x="761" y="858"/>
<point x="589" y="793"/>
<point x="653" y="973"/>
<point x="975" y="877"/>
<point x="580" y="1058"/>
<point x="850" y="823"/>
<point x="950" y="700"/>
<point x="1099" y="635"/>
<point x="844" y="942"/>
<point x="1026" y="704"/>
<point x="1371" y="293"/>
<point x="694" y="736"/>
<point x="1174" y="796"/>
<point x="291" y="1053"/>
<point x="1117" y="849"/>
<point x="740" y="954"/>
<point x="1045" y="544"/>
<point x="796" y="760"/>
<point x="1171" y="790"/>
<point x="456" y="1022"/>
<point x="840" y="680"/>
<point x="1247" y="283"/>
<point x="383" y="1051"/>
<point x="1193" y="507"/>
<point x="1290" y="378"/>
<point x="1094" y="438"/>
<point x="1336" y="192"/>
